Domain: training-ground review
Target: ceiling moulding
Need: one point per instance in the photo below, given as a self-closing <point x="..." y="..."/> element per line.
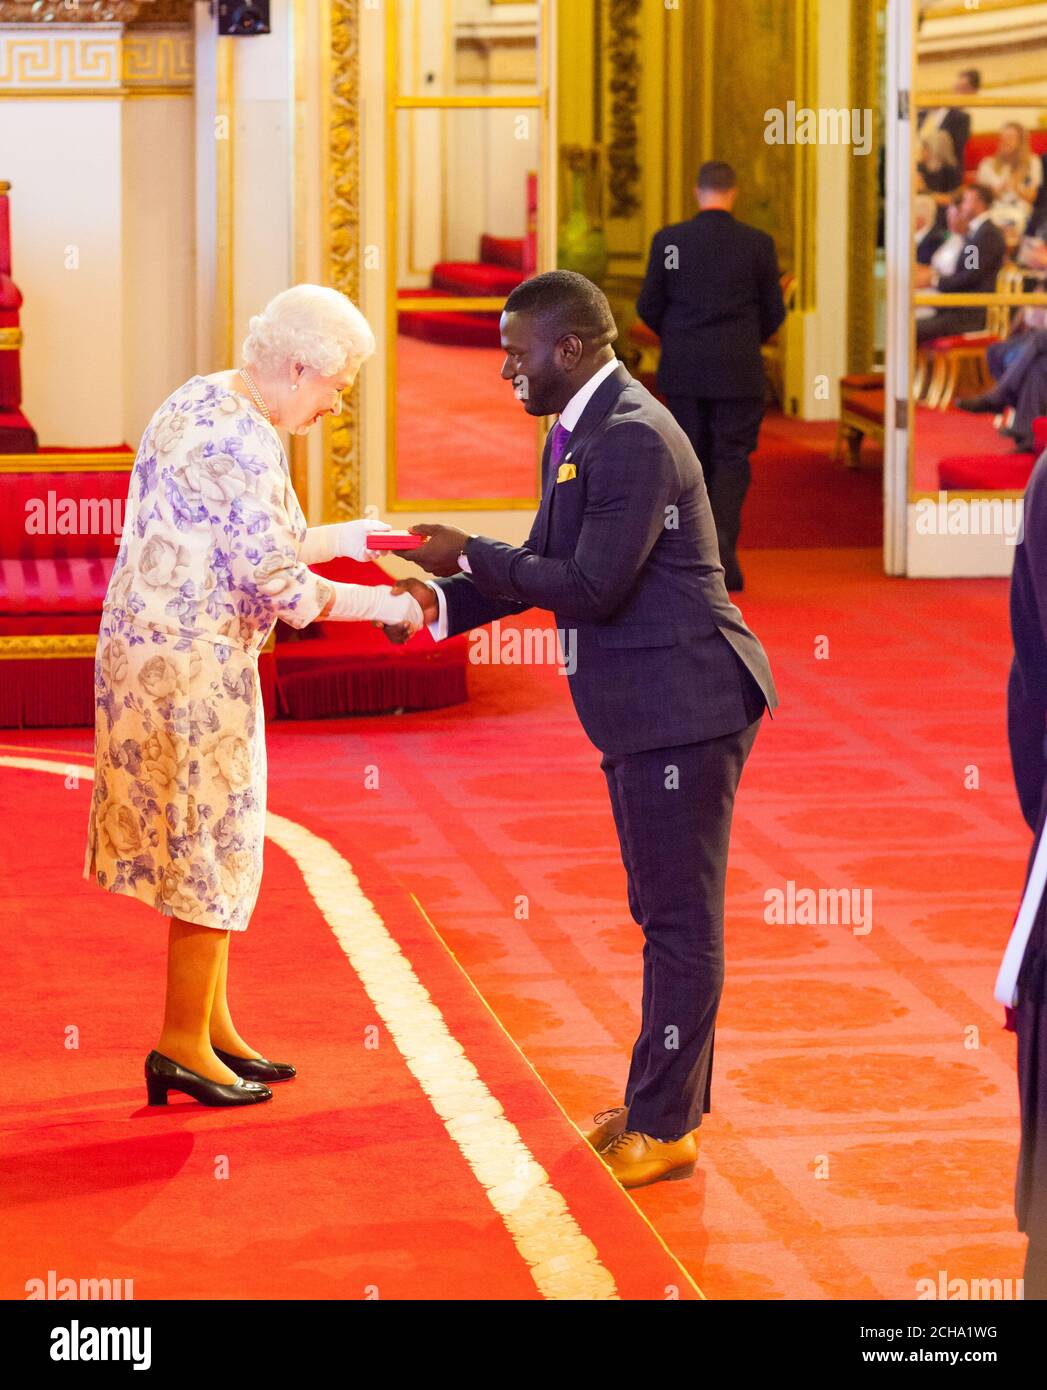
<point x="985" y="28"/>
<point x="165" y="14"/>
<point x="85" y="12"/>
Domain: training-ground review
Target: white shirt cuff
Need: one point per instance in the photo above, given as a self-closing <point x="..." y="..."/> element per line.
<point x="438" y="627"/>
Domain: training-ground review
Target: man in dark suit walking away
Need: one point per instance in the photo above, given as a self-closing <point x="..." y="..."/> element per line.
<point x="713" y="295"/>
<point x="668" y="681"/>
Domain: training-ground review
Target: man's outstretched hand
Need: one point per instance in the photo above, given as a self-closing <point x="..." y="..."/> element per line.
<point x="426" y="600"/>
<point x="439" y="555"/>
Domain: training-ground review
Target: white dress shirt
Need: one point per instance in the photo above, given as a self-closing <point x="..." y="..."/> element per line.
<point x="569" y="417"/>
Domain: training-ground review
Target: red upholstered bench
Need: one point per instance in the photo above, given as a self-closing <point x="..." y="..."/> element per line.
<point x="474" y="278"/>
<point x="59" y="534"/>
<point x="992" y="472"/>
<point x="988" y="472"/>
<point x="330" y="669"/>
<point x="495" y="275"/>
<point x="61" y="515"/>
<point x="861" y="414"/>
<point x="457" y="327"/>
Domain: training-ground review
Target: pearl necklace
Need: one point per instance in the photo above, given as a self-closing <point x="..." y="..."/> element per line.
<point x="256" y="395"/>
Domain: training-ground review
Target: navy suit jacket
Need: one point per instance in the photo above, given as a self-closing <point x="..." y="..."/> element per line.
<point x="625" y="553"/>
<point x="979" y="263"/>
<point x="1027" y="687"/>
<point x="714" y="308"/>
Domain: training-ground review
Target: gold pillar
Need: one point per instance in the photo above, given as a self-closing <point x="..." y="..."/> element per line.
<point x="342" y="188"/>
<point x="864" y="190"/>
<point x="223" y="351"/>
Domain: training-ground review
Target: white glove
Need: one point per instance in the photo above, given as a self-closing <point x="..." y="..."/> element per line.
<point x="374" y="603"/>
<point x="344" y="538"/>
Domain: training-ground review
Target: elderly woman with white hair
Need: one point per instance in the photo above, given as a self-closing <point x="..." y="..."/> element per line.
<point x="214" y="550"/>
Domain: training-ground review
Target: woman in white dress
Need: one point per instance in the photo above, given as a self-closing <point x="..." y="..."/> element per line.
<point x="1014" y="173"/>
<point x="214" y="550"/>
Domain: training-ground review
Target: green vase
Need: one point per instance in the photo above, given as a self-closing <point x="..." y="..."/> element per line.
<point x="581" y="246"/>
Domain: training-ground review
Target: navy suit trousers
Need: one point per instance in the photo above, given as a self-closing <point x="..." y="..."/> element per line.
<point x="673" y="809"/>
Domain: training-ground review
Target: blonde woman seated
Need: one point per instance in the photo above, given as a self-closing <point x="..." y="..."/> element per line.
<point x="215" y="549"/>
<point x="1014" y="173"/>
<point x="938" y="174"/>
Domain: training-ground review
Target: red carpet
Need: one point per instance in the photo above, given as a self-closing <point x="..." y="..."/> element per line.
<point x="461" y="433"/>
<point x="941" y="434"/>
<point x="346" y="1186"/>
<point x="859" y="1140"/>
<point x="800" y="497"/>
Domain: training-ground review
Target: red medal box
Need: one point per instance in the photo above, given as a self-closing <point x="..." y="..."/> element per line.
<point x="394" y="540"/>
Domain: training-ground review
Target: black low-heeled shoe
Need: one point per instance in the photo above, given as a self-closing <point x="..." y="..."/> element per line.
<point x="257" y="1068"/>
<point x="163" y="1075"/>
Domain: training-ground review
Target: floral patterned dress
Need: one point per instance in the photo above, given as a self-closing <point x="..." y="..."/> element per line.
<point x="207" y="563"/>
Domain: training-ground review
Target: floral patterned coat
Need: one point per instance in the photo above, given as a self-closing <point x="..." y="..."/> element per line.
<point x="207" y="563"/>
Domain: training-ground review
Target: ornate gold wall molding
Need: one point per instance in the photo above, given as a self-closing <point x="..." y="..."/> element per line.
<point x="62" y="644"/>
<point x="93" y="60"/>
<point x="769" y="37"/>
<point x="624" y="76"/>
<point x="864" y="190"/>
<point x="342" y="142"/>
<point x="805" y="159"/>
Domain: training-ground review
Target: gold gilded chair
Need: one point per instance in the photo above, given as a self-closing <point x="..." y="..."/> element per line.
<point x="959" y="358"/>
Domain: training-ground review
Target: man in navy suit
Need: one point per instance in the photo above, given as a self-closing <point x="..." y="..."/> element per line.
<point x="713" y="295"/>
<point x="669" y="683"/>
<point x="979" y="263"/>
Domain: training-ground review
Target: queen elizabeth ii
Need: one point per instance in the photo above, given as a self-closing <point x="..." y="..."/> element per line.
<point x="214" y="550"/>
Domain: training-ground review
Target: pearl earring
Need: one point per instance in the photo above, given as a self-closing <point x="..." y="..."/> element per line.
<point x="294" y="385"/>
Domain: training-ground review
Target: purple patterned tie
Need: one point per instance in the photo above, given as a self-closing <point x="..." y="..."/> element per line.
<point x="560" y="436"/>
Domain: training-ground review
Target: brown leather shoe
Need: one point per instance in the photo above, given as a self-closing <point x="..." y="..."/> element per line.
<point x="608" y="1124"/>
<point x="636" y="1159"/>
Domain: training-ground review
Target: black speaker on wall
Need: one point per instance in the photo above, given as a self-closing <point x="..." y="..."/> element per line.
<point x="242" y="18"/>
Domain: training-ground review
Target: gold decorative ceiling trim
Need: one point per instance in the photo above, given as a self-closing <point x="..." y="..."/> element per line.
<point x="59" y="58"/>
<point x="158" y="58"/>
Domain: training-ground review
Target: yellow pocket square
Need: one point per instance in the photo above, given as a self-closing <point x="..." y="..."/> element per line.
<point x="566" y="473"/>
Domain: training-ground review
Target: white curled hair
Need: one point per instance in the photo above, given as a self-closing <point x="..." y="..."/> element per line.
<point x="310" y="324"/>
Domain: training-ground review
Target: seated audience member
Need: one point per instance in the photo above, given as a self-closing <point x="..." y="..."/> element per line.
<point x="945" y="258"/>
<point x="953" y="119"/>
<point x="1039" y="208"/>
<point x="1012" y="350"/>
<point x="976" y="267"/>
<point x="938" y="173"/>
<point x="928" y="237"/>
<point x="1014" y="174"/>
<point x="1023" y="385"/>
